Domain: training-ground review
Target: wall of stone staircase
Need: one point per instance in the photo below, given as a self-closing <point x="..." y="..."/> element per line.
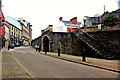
<point x="110" y="38"/>
<point x="72" y="45"/>
<point x="69" y="44"/>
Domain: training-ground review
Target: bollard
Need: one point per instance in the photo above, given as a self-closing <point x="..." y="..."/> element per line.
<point x="45" y="52"/>
<point x="58" y="52"/>
<point x="83" y="56"/>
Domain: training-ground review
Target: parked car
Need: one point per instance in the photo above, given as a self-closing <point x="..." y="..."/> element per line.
<point x="17" y="45"/>
<point x="26" y="44"/>
<point x="16" y="42"/>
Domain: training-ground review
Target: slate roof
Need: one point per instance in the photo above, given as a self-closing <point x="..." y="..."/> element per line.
<point x="117" y="12"/>
<point x="13" y="21"/>
<point x="69" y="23"/>
<point x="94" y="19"/>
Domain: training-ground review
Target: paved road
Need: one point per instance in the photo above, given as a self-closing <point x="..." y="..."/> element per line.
<point x="42" y="66"/>
<point x="10" y="68"/>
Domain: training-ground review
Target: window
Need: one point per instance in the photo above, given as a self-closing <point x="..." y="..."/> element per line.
<point x="12" y="27"/>
<point x="16" y="30"/>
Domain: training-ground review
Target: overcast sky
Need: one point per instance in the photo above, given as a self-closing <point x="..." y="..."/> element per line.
<point x="42" y="13"/>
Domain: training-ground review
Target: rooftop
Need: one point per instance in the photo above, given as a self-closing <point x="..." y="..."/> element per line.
<point x="69" y="23"/>
<point x="13" y="21"/>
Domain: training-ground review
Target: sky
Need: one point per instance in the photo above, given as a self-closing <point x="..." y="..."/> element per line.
<point x="42" y="13"/>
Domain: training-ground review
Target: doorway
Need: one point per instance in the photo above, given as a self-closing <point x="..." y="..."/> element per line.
<point x="45" y="44"/>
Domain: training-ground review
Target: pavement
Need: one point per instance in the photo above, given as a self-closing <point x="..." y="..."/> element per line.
<point x="111" y="65"/>
<point x="10" y="67"/>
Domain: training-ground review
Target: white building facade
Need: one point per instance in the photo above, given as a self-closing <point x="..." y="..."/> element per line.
<point x="67" y="26"/>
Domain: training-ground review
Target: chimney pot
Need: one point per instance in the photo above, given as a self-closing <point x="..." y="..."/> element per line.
<point x="60" y="19"/>
<point x="74" y="20"/>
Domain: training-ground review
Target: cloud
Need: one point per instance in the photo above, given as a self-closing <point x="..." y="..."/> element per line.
<point x="42" y="13"/>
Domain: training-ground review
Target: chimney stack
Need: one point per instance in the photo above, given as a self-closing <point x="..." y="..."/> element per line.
<point x="74" y="20"/>
<point x="51" y="28"/>
<point x="60" y="19"/>
<point x="42" y="31"/>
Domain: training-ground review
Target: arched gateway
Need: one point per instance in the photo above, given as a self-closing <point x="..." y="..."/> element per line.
<point x="46" y="44"/>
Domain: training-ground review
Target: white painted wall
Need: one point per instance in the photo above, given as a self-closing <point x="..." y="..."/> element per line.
<point x="60" y="27"/>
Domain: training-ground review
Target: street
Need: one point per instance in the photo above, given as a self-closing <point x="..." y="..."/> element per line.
<point x="66" y="39"/>
<point x="42" y="66"/>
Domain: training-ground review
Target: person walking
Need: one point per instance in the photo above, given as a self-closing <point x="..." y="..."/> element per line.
<point x="36" y="47"/>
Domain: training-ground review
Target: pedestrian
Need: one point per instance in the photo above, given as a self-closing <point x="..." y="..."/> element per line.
<point x="45" y="50"/>
<point x="8" y="47"/>
<point x="36" y="47"/>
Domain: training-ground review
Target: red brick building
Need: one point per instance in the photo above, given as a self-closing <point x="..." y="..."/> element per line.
<point x="2" y="27"/>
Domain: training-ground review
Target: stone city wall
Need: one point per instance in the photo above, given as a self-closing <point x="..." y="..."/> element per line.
<point x="70" y="44"/>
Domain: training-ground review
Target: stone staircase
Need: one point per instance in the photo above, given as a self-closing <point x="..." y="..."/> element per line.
<point x="100" y="48"/>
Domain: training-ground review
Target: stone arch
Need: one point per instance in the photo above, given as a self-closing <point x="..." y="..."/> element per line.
<point x="46" y="44"/>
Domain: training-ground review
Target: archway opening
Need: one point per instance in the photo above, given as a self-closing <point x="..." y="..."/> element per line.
<point x="46" y="44"/>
